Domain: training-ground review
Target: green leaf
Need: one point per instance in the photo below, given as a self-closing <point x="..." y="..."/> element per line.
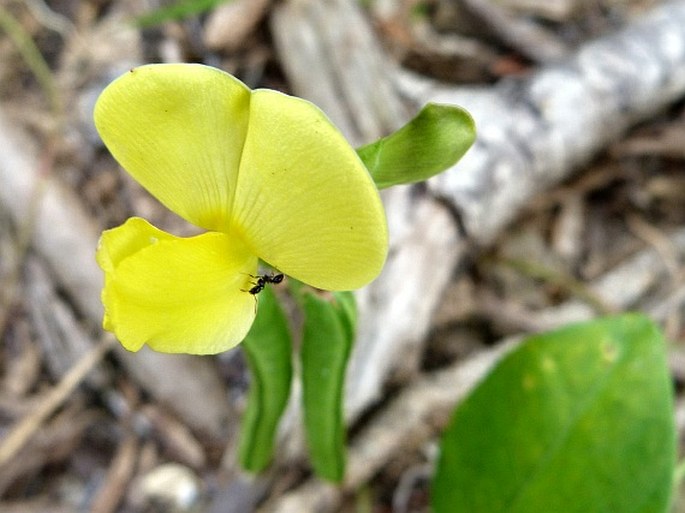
<point x="327" y="337"/>
<point x="579" y="420"/>
<point x="429" y="144"/>
<point x="268" y="350"/>
<point x="177" y="11"/>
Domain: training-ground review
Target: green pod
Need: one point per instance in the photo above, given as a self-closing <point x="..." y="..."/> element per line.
<point x="327" y="337"/>
<point x="429" y="144"/>
<point x="268" y="351"/>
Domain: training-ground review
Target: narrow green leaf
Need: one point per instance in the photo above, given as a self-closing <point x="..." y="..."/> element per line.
<point x="268" y="351"/>
<point x="327" y="337"/>
<point x="429" y="144"/>
<point x="573" y="421"/>
<point x="177" y="11"/>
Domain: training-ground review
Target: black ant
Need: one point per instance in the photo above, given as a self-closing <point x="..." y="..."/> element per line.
<point x="262" y="280"/>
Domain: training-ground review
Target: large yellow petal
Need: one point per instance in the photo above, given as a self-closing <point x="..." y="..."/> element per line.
<point x="179" y="130"/>
<point x="304" y="201"/>
<point x="178" y="295"/>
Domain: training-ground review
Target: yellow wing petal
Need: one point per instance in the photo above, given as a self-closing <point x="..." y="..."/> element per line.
<point x="179" y="130"/>
<point x="304" y="201"/>
<point x="178" y="295"/>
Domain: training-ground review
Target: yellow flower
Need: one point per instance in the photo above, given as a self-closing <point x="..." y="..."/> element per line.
<point x="265" y="173"/>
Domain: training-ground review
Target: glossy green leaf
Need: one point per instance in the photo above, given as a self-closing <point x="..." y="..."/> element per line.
<point x="327" y="337"/>
<point x="429" y="144"/>
<point x="268" y="349"/>
<point x="579" y="420"/>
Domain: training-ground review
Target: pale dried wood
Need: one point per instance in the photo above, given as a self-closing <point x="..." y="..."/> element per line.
<point x="59" y="334"/>
<point x="175" y="438"/>
<point x="332" y="58"/>
<point x="527" y="37"/>
<point x="395" y="312"/>
<point x="22" y="366"/>
<point x="22" y="431"/>
<point x="44" y="504"/>
<point x="625" y="287"/>
<point x="53" y="443"/>
<point x="121" y="470"/>
<point x="229" y="25"/>
<point x="557" y="10"/>
<point x="632" y="284"/>
<point x="533" y="133"/>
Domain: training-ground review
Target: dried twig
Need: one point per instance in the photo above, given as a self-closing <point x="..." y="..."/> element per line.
<point x="23" y="430"/>
<point x="120" y="472"/>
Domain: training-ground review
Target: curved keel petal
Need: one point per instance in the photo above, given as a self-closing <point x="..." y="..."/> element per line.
<point x="177" y="295"/>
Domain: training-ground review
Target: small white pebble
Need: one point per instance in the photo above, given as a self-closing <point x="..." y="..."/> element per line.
<point x="173" y="484"/>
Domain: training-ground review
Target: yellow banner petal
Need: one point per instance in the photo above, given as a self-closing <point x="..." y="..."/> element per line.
<point x="304" y="201"/>
<point x="179" y="130"/>
<point x="178" y="295"/>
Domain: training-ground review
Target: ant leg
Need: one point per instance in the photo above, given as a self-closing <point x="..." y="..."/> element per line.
<point x="256" y="286"/>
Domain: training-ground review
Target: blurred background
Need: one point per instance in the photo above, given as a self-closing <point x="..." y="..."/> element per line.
<point x="571" y="205"/>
